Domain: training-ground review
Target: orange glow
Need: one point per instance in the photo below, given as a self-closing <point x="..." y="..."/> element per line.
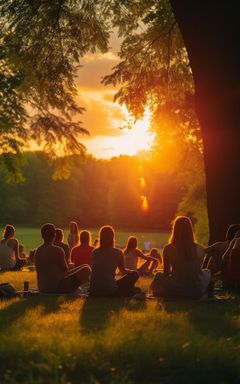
<point x="142" y="182"/>
<point x="128" y="141"/>
<point x="144" y="202"/>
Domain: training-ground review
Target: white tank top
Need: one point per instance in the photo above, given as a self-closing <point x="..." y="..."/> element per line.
<point x="7" y="256"/>
<point x="131" y="260"/>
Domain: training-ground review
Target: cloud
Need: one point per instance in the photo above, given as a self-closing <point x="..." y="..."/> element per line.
<point x="94" y="68"/>
<point x="102" y="116"/>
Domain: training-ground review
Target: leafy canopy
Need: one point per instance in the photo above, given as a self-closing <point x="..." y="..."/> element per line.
<point x="42" y="44"/>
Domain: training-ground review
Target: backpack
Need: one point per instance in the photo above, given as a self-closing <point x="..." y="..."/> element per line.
<point x="7" y="290"/>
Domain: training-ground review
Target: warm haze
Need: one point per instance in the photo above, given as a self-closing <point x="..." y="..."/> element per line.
<point x="105" y="120"/>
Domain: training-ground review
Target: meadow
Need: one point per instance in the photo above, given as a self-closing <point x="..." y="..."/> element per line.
<point x="31" y="237"/>
<point x="60" y="340"/>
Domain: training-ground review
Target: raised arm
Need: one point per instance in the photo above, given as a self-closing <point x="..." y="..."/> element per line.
<point x="145" y="257"/>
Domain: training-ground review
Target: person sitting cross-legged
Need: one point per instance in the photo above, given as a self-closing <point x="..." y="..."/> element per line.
<point x="53" y="275"/>
<point x="10" y="259"/>
<point x="217" y="253"/>
<point x="182" y="275"/>
<point x="132" y="255"/>
<point x="105" y="261"/>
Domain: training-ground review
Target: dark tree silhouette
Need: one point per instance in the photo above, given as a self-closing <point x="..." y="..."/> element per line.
<point x="211" y="32"/>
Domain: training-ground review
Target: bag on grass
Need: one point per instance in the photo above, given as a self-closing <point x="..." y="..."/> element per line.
<point x="7" y="290"/>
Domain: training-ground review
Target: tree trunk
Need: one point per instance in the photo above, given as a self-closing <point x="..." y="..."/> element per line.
<point x="211" y="32"/>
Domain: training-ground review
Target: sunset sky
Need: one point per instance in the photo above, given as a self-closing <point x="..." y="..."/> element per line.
<point x="103" y="118"/>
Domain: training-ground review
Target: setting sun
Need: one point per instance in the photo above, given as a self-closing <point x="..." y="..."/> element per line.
<point x="134" y="137"/>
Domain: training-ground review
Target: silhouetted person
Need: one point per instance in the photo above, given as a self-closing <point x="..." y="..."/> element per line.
<point x="82" y="254"/>
<point x="214" y="259"/>
<point x="9" y="251"/>
<point x="182" y="275"/>
<point x="73" y="236"/>
<point x="231" y="272"/>
<point x="53" y="275"/>
<point x="106" y="260"/>
<point x="132" y="254"/>
<point x="156" y="255"/>
<point x="59" y="242"/>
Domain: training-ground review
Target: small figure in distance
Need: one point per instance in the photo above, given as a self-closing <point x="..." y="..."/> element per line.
<point x="106" y="259"/>
<point x="214" y="259"/>
<point x="73" y="236"/>
<point x="22" y="253"/>
<point x="156" y="255"/>
<point x="82" y="254"/>
<point x="53" y="274"/>
<point x="9" y="251"/>
<point x="182" y="274"/>
<point x="59" y="242"/>
<point x="132" y="255"/>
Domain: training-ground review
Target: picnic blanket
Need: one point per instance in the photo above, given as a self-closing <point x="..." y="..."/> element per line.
<point x="80" y="292"/>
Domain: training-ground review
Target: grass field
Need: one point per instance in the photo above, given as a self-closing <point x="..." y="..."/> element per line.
<point x="120" y="341"/>
<point x="31" y="237"/>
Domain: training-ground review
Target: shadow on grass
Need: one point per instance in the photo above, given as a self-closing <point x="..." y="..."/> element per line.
<point x="15" y="310"/>
<point x="97" y="312"/>
<point x="213" y="318"/>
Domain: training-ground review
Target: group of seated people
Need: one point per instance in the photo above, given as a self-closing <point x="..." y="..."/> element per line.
<point x="189" y="269"/>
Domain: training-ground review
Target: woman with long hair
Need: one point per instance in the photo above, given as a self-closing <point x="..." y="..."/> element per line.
<point x="105" y="261"/>
<point x="73" y="236"/>
<point x="182" y="274"/>
<point x="132" y="254"/>
<point x="9" y="251"/>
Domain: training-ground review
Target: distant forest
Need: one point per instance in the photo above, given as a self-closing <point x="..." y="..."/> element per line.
<point x="95" y="192"/>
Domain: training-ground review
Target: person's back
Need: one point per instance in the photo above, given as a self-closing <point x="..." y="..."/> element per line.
<point x="82" y="255"/>
<point x="183" y="276"/>
<point x="104" y="265"/>
<point x="50" y="266"/>
<point x="187" y="274"/>
<point x="7" y="255"/>
<point x="131" y="259"/>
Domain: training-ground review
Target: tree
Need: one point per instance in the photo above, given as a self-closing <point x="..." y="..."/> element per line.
<point x="43" y="42"/>
<point x="211" y="32"/>
<point x="41" y="46"/>
<point x="154" y="71"/>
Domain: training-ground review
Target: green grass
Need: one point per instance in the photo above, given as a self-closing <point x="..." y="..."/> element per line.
<point x="66" y="340"/>
<point x="31" y="237"/>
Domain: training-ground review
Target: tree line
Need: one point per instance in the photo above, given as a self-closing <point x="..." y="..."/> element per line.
<point x="95" y="192"/>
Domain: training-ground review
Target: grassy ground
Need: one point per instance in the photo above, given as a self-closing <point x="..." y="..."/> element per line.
<point x="31" y="237"/>
<point x="74" y="340"/>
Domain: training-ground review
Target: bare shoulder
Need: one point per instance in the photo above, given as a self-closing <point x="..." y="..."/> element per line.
<point x="120" y="252"/>
<point x="12" y="243"/>
<point x="200" y="247"/>
<point x="139" y="252"/>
